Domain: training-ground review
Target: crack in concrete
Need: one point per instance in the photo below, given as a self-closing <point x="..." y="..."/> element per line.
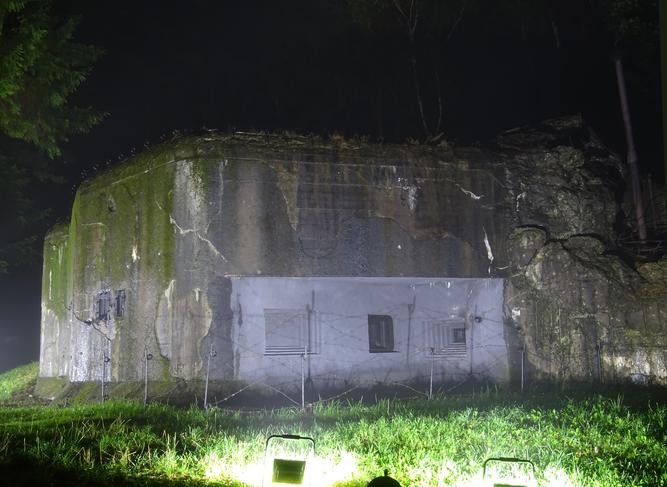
<point x="191" y="231"/>
<point x="93" y="323"/>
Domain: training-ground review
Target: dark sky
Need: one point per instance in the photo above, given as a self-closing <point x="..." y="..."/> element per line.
<point x="307" y="66"/>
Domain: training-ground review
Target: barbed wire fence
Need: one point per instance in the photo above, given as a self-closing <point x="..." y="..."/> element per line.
<point x="436" y="373"/>
<point x="427" y="383"/>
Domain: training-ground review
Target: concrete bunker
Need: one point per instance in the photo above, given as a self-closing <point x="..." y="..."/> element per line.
<point x="376" y="263"/>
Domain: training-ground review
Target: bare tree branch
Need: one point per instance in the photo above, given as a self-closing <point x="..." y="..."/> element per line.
<point x="458" y="20"/>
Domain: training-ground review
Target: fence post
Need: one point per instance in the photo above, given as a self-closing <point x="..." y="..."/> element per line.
<point x="211" y="353"/>
<point x="105" y="361"/>
<point x="147" y="357"/>
<point x="430" y="387"/>
<point x="598" y="361"/>
<point x="523" y="353"/>
<point x="303" y="378"/>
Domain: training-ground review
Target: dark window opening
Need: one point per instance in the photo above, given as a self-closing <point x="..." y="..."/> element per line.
<point x="120" y="303"/>
<point x="103" y="305"/>
<point x="380" y="333"/>
<point x="458" y="336"/>
<point x="447" y="337"/>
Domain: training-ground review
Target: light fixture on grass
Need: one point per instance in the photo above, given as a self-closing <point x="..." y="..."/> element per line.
<point x="384" y="481"/>
<point x="508" y="472"/>
<point x="286" y="460"/>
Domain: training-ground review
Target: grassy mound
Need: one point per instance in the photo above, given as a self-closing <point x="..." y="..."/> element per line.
<point x="17" y="384"/>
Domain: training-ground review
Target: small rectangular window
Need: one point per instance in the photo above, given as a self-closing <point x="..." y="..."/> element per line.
<point x="447" y="337"/>
<point x="120" y="303"/>
<point x="103" y="305"/>
<point x="380" y="333"/>
<point x="458" y="336"/>
<point x="290" y="332"/>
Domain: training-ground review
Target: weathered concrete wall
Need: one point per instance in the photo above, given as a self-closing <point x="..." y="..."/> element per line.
<point x="586" y="315"/>
<point x="56" y="289"/>
<point x="173" y="226"/>
<point x="584" y="310"/>
<point x="338" y="309"/>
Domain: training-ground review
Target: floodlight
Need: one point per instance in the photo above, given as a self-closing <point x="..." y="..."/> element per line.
<point x="508" y="472"/>
<point x="286" y="458"/>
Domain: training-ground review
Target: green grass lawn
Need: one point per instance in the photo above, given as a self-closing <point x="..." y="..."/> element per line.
<point x="584" y="441"/>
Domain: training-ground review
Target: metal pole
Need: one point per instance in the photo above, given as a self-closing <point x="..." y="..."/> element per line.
<point x="632" y="153"/>
<point x="476" y="319"/>
<point x="147" y="357"/>
<point x="211" y="353"/>
<point x="104" y="369"/>
<point x="105" y="361"/>
<point x="430" y="387"/>
<point x="303" y="378"/>
<point x="523" y="350"/>
<point x="598" y="361"/>
<point x="310" y="308"/>
<point x="411" y="309"/>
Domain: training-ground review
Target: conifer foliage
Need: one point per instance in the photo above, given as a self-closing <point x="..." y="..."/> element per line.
<point x="40" y="67"/>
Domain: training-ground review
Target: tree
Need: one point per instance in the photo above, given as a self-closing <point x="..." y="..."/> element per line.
<point x="41" y="66"/>
<point x="427" y="25"/>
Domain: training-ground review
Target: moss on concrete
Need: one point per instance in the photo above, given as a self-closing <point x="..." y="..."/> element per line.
<point x="50" y="387"/>
<point x="83" y="392"/>
<point x="56" y="270"/>
<point x="414" y="200"/>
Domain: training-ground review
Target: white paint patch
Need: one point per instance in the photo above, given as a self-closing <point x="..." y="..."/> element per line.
<point x="169" y="292"/>
<point x="489" y="253"/>
<point x="516" y="313"/>
<point x="520" y="196"/>
<point x="197" y="292"/>
<point x="135" y="257"/>
<point x="398" y="246"/>
<point x="412" y="197"/>
<point x="471" y="194"/>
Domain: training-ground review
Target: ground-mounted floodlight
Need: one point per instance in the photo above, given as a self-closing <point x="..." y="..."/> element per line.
<point x="286" y="460"/>
<point x="508" y="472"/>
<point x="384" y="481"/>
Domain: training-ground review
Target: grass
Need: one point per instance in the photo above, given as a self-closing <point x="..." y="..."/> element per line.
<point x="587" y="440"/>
<point x="17" y="381"/>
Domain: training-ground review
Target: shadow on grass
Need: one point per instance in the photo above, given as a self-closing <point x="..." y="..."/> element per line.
<point x="24" y="472"/>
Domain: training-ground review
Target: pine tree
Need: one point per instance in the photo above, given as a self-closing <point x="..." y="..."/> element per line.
<point x="41" y="66"/>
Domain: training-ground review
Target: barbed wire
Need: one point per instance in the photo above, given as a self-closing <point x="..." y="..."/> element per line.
<point x="551" y="352"/>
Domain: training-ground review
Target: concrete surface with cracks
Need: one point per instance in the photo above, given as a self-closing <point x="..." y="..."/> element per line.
<point x="177" y="226"/>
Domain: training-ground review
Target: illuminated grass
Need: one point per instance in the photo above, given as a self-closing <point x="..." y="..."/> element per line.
<point x="588" y="441"/>
<point x="17" y="380"/>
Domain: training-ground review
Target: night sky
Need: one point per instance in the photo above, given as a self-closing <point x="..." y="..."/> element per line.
<point x="309" y="66"/>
